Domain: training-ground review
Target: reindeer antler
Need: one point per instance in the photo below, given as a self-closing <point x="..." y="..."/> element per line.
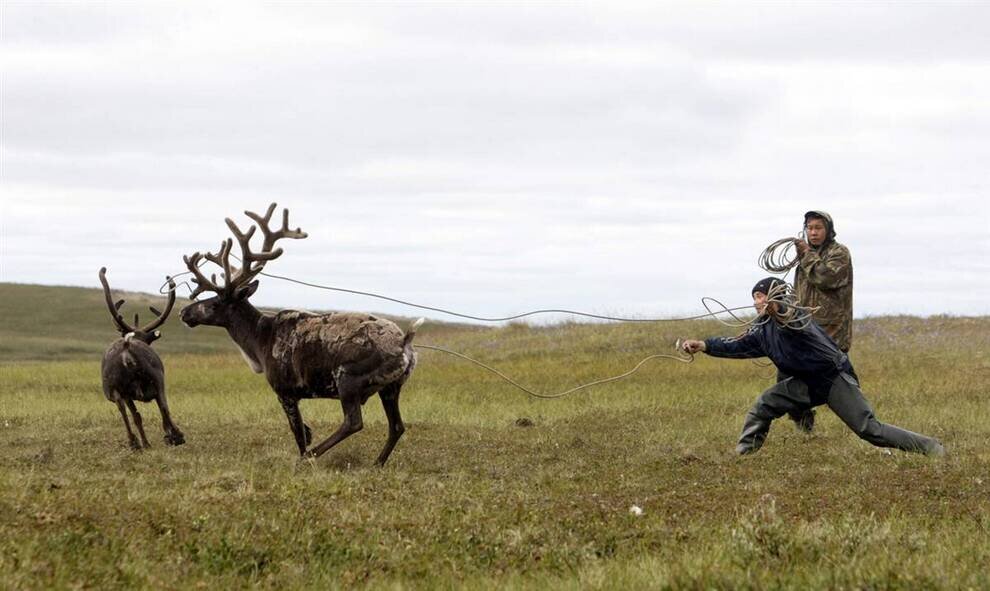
<point x="114" y="308"/>
<point x="222" y="258"/>
<point x="118" y="319"/>
<point x="251" y="262"/>
<point x="161" y="316"/>
<point x="271" y="237"/>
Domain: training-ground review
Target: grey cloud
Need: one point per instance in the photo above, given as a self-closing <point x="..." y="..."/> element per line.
<point x="627" y="158"/>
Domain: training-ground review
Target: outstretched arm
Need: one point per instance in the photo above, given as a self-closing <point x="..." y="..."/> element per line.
<point x="746" y="346"/>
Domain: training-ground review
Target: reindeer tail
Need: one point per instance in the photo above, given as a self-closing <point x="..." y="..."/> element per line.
<point x="412" y="332"/>
<point x="127" y="357"/>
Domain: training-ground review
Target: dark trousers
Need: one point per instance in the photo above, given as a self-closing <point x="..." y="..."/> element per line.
<point x="805" y="415"/>
<point x="844" y="398"/>
<point x="800" y="414"/>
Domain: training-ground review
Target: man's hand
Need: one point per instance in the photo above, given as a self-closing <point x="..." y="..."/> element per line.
<point x="802" y="247"/>
<point x="692" y="346"/>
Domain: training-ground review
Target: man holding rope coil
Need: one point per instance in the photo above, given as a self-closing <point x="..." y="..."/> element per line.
<point x="823" y="281"/>
<point x="823" y="278"/>
<point x="819" y="373"/>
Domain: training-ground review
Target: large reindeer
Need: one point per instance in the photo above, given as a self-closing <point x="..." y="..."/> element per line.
<point x="346" y="356"/>
<point x="132" y="370"/>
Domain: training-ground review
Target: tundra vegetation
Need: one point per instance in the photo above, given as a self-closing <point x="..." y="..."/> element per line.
<point x="490" y="488"/>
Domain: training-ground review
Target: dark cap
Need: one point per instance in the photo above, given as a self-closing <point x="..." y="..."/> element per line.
<point x="766" y="284"/>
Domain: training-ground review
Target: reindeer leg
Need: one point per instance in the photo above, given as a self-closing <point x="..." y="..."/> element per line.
<point x="299" y="429"/>
<point x="135" y="444"/>
<point x="351" y="404"/>
<point x="138" y="422"/>
<point x="172" y="434"/>
<point x="390" y="402"/>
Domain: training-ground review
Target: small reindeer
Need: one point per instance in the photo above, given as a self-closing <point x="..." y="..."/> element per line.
<point x="133" y="371"/>
<point x="346" y="356"/>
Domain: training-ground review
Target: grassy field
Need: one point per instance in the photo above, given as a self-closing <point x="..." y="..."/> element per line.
<point x="473" y="495"/>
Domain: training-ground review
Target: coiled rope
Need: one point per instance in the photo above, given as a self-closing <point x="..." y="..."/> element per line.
<point x="785" y="309"/>
<point x="782" y="303"/>
<point x="778" y="257"/>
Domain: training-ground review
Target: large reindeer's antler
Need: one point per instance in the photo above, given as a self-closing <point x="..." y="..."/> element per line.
<point x="222" y="258"/>
<point x="251" y="262"/>
<point x="118" y="319"/>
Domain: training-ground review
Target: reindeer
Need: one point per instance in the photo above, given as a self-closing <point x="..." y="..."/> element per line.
<point x="133" y="371"/>
<point x="346" y="356"/>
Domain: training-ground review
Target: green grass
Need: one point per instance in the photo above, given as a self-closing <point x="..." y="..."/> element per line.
<point x="470" y="498"/>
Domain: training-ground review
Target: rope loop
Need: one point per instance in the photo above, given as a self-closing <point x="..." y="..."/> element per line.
<point x="683" y="359"/>
<point x="164" y="289"/>
<point x="778" y="257"/>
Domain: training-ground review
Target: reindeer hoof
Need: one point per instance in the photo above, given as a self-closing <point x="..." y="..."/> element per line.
<point x="135" y="445"/>
<point x="175" y="439"/>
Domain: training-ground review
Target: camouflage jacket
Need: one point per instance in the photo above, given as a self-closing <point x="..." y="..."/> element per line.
<point x="824" y="279"/>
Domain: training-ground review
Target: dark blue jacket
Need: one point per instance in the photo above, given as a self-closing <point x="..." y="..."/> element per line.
<point x="808" y="354"/>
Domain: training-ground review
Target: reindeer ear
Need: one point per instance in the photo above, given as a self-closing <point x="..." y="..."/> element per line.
<point x="246" y="291"/>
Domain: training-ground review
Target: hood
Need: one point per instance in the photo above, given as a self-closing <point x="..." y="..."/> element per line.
<point x="817" y="213"/>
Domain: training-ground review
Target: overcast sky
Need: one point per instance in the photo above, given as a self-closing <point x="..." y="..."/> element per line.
<point x="494" y="158"/>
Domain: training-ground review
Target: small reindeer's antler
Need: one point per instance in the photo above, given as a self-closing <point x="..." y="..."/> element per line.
<point x="251" y="262"/>
<point x="118" y="320"/>
<point x="161" y="317"/>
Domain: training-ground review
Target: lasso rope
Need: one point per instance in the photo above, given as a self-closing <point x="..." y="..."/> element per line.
<point x="782" y="303"/>
<point x="705" y="302"/>
<point x="688" y="359"/>
<point x="782" y="306"/>
<point x="778" y="258"/>
<point x="773" y="259"/>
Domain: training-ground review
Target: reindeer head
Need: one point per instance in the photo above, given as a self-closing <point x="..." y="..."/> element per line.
<point x="149" y="333"/>
<point x="238" y="282"/>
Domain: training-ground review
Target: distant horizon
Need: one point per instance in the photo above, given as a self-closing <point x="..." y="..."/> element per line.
<point x="413" y="313"/>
